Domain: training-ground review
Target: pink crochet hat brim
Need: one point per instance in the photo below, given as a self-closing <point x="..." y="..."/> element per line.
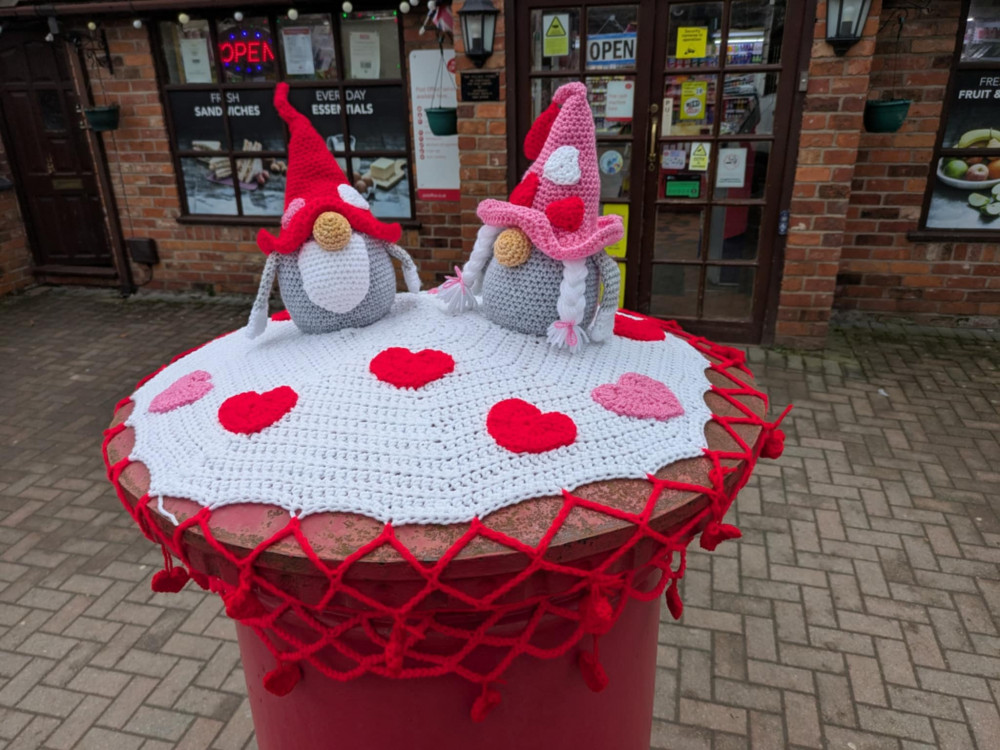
<point x="536" y="225"/>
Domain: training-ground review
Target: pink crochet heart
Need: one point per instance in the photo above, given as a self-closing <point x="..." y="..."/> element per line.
<point x="640" y="396"/>
<point x="183" y="391"/>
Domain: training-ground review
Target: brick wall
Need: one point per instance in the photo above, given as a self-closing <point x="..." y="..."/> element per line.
<point x="220" y="258"/>
<point x="15" y="256"/>
<point x="828" y="148"/>
<point x="482" y="137"/>
<point x="881" y="271"/>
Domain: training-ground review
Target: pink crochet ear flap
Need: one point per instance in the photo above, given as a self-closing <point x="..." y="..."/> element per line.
<point x="539" y="133"/>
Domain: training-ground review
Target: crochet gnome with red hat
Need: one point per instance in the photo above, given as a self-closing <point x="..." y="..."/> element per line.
<point x="539" y="260"/>
<point x="332" y="256"/>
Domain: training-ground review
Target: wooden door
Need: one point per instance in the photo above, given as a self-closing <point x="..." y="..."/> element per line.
<point x="695" y="158"/>
<point x="49" y="156"/>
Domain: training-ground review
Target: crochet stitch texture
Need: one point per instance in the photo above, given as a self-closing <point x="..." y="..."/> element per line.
<point x="353" y="443"/>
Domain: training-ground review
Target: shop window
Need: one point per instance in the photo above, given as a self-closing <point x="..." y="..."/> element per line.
<point x="229" y="145"/>
<point x="964" y="190"/>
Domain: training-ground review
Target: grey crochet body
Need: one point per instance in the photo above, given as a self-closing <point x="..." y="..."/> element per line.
<point x="311" y="318"/>
<point x="523" y="298"/>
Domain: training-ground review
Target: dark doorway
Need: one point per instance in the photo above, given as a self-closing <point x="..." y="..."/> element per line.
<point x="52" y="166"/>
<point x="693" y="105"/>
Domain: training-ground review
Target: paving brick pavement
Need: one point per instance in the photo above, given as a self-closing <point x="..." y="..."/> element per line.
<point x="860" y="610"/>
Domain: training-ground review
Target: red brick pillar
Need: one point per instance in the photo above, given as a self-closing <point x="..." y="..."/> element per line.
<point x="482" y="134"/>
<point x="828" y="149"/>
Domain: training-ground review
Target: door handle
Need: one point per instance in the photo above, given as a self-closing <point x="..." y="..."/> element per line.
<point x="654" y="111"/>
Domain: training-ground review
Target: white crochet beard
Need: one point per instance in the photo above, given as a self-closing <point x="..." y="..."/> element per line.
<point x="336" y="280"/>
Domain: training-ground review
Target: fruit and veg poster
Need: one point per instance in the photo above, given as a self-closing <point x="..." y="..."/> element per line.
<point x="966" y="193"/>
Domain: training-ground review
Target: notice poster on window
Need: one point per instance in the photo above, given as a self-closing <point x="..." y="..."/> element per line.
<point x="692" y="42"/>
<point x="297" y="44"/>
<point x="435" y="156"/>
<point x="194" y="58"/>
<point x="365" y="54"/>
<point x="731" y="171"/>
<point x="555" y="34"/>
<point x="618" y="101"/>
<point x="966" y="193"/>
<point x="693" y="96"/>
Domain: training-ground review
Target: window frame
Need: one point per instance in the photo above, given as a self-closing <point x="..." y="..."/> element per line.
<point x="923" y="233"/>
<point x="273" y="13"/>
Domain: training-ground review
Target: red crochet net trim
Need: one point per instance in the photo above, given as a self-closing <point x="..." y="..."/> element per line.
<point x="440" y="627"/>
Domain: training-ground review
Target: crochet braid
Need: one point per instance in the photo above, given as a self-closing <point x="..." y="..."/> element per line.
<point x="458" y="294"/>
<point x="572" y="305"/>
<point x="604" y="322"/>
<point x="258" y="313"/>
<point x="409" y="267"/>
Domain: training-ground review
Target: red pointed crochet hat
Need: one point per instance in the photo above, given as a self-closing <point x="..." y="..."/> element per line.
<point x="557" y="202"/>
<point x="316" y="184"/>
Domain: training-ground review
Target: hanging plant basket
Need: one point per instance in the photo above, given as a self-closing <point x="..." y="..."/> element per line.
<point x="886" y="116"/>
<point x="102" y="119"/>
<point x="442" y="120"/>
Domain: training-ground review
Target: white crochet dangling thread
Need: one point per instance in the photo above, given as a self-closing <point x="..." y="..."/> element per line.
<point x="353" y="443"/>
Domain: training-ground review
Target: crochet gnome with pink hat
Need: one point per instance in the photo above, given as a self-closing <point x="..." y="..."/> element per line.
<point x="539" y="260"/>
<point x="331" y="259"/>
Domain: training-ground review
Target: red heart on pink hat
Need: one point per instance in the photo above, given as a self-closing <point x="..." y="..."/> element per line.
<point x="639" y="396"/>
<point x="250" y="412"/>
<point x="183" y="391"/>
<point x="521" y="427"/>
<point x="566" y="214"/>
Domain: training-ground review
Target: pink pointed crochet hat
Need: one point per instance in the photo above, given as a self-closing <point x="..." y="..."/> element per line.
<point x="556" y="203"/>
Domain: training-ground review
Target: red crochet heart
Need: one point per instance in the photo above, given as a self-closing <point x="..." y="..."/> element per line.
<point x="250" y="412"/>
<point x="521" y="427"/>
<point x="534" y="141"/>
<point x="524" y="193"/>
<point x="402" y="368"/>
<point x="566" y="213"/>
<point x="282" y="315"/>
<point x="645" y="329"/>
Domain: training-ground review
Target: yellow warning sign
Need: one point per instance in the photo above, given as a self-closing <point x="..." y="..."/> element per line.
<point x="691" y="42"/>
<point x="555" y="34"/>
<point x="699" y="157"/>
<point x="693" y="95"/>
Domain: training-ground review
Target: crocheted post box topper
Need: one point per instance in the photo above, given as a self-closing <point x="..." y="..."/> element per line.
<point x="539" y="259"/>
<point x="332" y="257"/>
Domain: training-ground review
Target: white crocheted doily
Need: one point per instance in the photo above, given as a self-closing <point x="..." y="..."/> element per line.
<point x="354" y="443"/>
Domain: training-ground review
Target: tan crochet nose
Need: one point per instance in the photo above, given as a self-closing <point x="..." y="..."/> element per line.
<point x="331" y="231"/>
<point x="512" y="247"/>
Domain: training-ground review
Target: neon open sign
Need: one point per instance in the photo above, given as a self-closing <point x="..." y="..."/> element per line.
<point x="246" y="51"/>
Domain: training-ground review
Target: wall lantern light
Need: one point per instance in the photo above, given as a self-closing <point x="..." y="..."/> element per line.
<point x="479" y="25"/>
<point x="845" y="23"/>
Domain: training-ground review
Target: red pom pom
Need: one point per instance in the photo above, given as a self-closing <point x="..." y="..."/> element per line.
<point x="598" y="614"/>
<point x="566" y="214"/>
<point x="169" y="581"/>
<point x="674" y="603"/>
<point x="200" y="578"/>
<point x="282" y="315"/>
<point x="405" y="369"/>
<point x="486" y="702"/>
<point x="281" y="680"/>
<point x="774" y="444"/>
<point x="539" y="133"/>
<point x="521" y="427"/>
<point x="243" y="605"/>
<point x="716" y="533"/>
<point x="592" y="671"/>
<point x="250" y="412"/>
<point x="524" y="193"/>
